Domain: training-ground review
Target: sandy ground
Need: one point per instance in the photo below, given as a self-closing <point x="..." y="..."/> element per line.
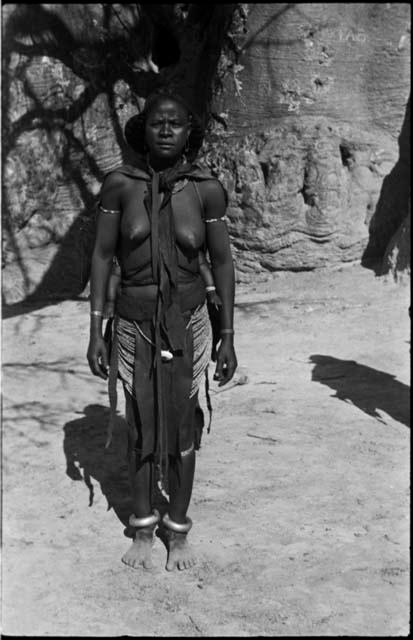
<point x="301" y="497"/>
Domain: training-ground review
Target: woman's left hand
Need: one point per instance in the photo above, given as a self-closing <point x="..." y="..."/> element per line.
<point x="226" y="361"/>
<point x="214" y="299"/>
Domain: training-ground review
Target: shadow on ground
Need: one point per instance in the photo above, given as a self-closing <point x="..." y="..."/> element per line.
<point x="368" y="389"/>
<point x="87" y="460"/>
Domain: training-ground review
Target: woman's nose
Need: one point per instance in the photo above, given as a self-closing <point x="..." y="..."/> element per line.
<point x="165" y="129"/>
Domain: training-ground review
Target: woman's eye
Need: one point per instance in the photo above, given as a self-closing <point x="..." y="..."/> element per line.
<point x="172" y="123"/>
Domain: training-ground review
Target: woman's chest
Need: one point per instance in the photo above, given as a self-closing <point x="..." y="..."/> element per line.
<point x="185" y="208"/>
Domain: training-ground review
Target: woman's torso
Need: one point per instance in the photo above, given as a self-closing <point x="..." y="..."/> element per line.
<point x="134" y="244"/>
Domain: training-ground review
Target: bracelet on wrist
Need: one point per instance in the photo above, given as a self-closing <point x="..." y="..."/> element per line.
<point x="210" y="288"/>
<point x="97" y="313"/>
<point x="227" y="331"/>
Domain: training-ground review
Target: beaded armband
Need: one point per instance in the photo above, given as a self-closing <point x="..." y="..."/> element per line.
<point x="223" y="219"/>
<point x="109" y="211"/>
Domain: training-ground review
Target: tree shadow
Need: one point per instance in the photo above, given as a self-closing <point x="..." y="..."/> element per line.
<point x="99" y="47"/>
<point x="367" y="388"/>
<point x="68" y="273"/>
<point x="100" y="58"/>
<point x="393" y="203"/>
<point x="88" y="460"/>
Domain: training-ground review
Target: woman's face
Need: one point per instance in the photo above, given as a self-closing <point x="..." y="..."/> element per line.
<point x="167" y="129"/>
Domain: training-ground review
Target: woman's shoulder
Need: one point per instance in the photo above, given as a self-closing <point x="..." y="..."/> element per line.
<point x="125" y="172"/>
<point x="212" y="189"/>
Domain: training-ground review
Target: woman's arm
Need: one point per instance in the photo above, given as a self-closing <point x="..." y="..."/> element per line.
<point x="114" y="280"/>
<point x="107" y="230"/>
<point x="219" y="249"/>
<point x="206" y="273"/>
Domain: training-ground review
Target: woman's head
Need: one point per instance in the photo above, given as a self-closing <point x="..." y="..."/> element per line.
<point x="167" y="128"/>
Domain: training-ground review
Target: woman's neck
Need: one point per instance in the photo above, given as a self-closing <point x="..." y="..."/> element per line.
<point x="159" y="164"/>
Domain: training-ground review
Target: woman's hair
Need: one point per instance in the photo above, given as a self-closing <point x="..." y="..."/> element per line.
<point x="135" y="126"/>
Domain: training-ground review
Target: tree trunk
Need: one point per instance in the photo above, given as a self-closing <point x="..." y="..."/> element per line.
<point x="307" y="132"/>
<point x="316" y="154"/>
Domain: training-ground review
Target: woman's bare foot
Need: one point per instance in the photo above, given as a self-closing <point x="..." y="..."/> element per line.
<point x="140" y="553"/>
<point x="180" y="553"/>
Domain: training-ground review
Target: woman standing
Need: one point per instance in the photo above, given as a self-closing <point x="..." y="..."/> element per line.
<point x="155" y="217"/>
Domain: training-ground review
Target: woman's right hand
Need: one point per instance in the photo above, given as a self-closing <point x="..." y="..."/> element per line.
<point x="97" y="356"/>
<point x="109" y="309"/>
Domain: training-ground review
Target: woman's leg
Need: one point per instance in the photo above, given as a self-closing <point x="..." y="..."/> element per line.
<point x="140" y="477"/>
<point x="180" y="480"/>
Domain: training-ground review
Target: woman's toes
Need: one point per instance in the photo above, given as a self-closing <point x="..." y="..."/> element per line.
<point x="170" y="566"/>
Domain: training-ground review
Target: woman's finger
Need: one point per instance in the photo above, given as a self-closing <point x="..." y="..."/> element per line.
<point x="103" y="373"/>
<point x="96" y="368"/>
<point x="104" y="357"/>
<point x="219" y="368"/>
<point x="228" y="370"/>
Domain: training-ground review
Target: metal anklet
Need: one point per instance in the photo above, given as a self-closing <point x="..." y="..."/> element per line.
<point x="146" y="521"/>
<point x="175" y="526"/>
